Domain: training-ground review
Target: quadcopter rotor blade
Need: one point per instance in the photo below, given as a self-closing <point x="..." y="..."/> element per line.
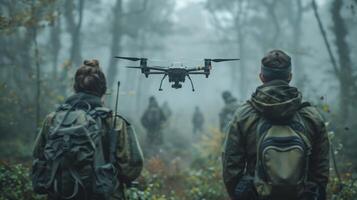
<point x="222" y="59"/>
<point x="158" y="68"/>
<point x="149" y="68"/>
<point x="129" y="58"/>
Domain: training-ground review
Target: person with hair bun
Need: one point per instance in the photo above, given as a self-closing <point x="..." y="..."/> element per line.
<point x="74" y="153"/>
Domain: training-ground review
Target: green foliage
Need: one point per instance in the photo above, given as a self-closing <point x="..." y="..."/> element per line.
<point x="28" y="14"/>
<point x="202" y="180"/>
<point x="344" y="190"/>
<point x="162" y="180"/>
<point x="15" y="183"/>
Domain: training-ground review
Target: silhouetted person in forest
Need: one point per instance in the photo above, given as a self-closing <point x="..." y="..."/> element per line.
<point x="197" y="120"/>
<point x="277" y="146"/>
<point x="227" y="112"/>
<point x="166" y="110"/>
<point x="81" y="152"/>
<point x="153" y="120"/>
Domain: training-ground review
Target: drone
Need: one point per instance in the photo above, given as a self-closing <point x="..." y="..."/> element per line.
<point x="176" y="75"/>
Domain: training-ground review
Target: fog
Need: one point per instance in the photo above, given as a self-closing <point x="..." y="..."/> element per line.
<point x="44" y="42"/>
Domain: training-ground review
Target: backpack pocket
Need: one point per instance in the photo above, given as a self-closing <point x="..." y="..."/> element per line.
<point x="283" y="160"/>
<point x="106" y="180"/>
<point x="282" y="153"/>
<point x="40" y="175"/>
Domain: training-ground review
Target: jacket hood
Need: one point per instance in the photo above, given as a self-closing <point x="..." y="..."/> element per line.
<point x="276" y="100"/>
<point x="92" y="100"/>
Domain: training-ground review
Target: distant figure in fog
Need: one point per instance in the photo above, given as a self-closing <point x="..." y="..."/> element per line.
<point x="167" y="110"/>
<point x="227" y="112"/>
<point x="197" y="120"/>
<point x="153" y="120"/>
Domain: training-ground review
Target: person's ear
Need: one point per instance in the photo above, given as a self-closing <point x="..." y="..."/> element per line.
<point x="262" y="77"/>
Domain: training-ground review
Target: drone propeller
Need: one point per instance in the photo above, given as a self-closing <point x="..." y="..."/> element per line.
<point x="149" y="67"/>
<point x="130" y="58"/>
<point x="222" y="59"/>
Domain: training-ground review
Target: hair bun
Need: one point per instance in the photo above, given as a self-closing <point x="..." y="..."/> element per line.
<point x="91" y="63"/>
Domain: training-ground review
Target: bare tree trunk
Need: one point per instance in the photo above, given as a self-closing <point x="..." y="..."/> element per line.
<point x="55" y="39"/>
<point x="116" y="40"/>
<point x="270" y="6"/>
<point x="242" y="67"/>
<point x="343" y="72"/>
<point x="297" y="33"/>
<point x="346" y="80"/>
<point x="37" y="64"/>
<point x="74" y="30"/>
<point x="324" y="36"/>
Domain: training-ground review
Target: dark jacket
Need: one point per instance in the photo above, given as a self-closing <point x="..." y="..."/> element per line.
<point x="130" y="165"/>
<point x="276" y="101"/>
<point x="153" y="118"/>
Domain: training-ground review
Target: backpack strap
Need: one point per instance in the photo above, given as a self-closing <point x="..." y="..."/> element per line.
<point x="101" y="112"/>
<point x="77" y="182"/>
<point x="299" y="126"/>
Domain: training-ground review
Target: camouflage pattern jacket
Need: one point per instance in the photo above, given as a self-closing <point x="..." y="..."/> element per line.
<point x="275" y="100"/>
<point x="129" y="154"/>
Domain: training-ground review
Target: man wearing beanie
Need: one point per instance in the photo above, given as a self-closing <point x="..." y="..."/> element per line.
<point x="277" y="145"/>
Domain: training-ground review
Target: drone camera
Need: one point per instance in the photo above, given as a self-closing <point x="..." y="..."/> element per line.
<point x="176" y="85"/>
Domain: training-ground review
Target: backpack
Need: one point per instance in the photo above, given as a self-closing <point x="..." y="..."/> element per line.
<point x="282" y="158"/>
<point x="74" y="161"/>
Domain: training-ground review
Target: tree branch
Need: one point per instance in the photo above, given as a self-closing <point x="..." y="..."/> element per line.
<point x="324" y="35"/>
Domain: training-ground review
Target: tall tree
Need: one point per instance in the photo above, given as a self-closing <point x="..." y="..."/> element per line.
<point x="117" y="34"/>
<point x="237" y="11"/>
<point x="55" y="40"/>
<point x="74" y="28"/>
<point x="343" y="51"/>
<point x="295" y="18"/>
<point x="342" y="69"/>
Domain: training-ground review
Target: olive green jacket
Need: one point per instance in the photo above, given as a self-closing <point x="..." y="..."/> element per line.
<point x="275" y="100"/>
<point x="129" y="154"/>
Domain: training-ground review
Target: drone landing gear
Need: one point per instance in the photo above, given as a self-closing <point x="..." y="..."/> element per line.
<point x="163" y="78"/>
<point x="189" y="78"/>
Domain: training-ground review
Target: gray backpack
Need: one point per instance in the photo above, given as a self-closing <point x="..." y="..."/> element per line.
<point x="282" y="158"/>
<point x="74" y="159"/>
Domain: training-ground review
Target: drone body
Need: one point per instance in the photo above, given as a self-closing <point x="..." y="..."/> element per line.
<point x="176" y="75"/>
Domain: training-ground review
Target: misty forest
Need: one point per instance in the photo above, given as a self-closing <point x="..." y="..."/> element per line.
<point x="43" y="42"/>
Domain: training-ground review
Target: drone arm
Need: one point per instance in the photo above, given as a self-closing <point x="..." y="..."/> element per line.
<point x="197" y="73"/>
<point x="163" y="78"/>
<point x="196" y="69"/>
<point x="189" y="78"/>
<point x="156" y="73"/>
